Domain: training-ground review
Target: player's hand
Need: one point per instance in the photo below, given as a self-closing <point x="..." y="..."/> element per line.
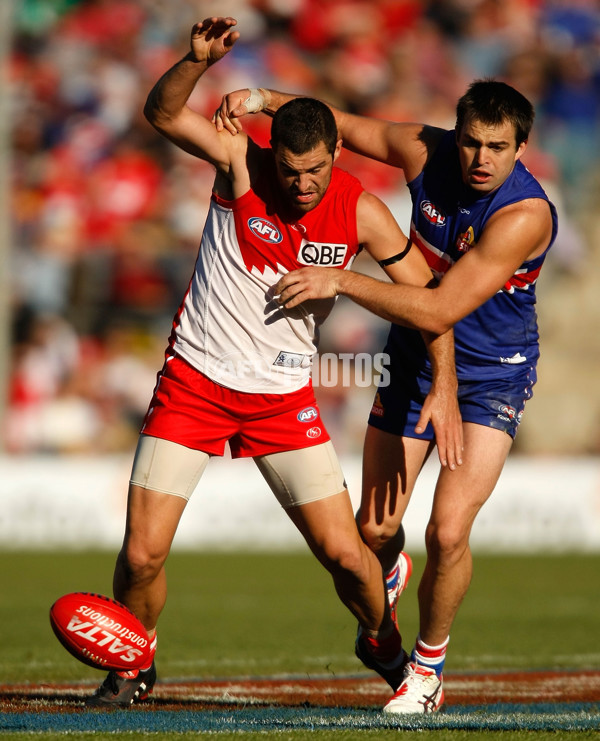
<point x="212" y="39"/>
<point x="305" y="284"/>
<point x="442" y="410"/>
<point x="237" y="104"/>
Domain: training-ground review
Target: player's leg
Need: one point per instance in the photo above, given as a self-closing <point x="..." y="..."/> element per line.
<point x="393" y="456"/>
<point x="139" y="582"/>
<point x="391" y="464"/>
<point x="329" y="528"/>
<point x="309" y="484"/>
<point x="163" y="478"/>
<point x="330" y="531"/>
<point x="139" y="579"/>
<point x="458" y="497"/>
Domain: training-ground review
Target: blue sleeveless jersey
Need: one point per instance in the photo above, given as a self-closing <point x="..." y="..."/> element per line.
<point x="500" y="338"/>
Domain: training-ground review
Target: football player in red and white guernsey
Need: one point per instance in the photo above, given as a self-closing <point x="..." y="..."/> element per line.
<point x="237" y="366"/>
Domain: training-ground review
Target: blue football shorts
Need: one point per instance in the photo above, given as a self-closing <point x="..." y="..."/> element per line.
<point x="497" y="403"/>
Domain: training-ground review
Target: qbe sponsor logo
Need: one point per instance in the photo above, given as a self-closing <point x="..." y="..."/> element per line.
<point x="324" y="255"/>
<point x="432" y="214"/>
<point x="265" y="230"/>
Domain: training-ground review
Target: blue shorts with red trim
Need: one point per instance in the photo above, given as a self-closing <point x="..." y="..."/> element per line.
<point x="497" y="403"/>
<point x="190" y="409"/>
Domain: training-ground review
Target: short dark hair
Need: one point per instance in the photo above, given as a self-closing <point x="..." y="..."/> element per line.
<point x="493" y="102"/>
<point x="302" y="124"/>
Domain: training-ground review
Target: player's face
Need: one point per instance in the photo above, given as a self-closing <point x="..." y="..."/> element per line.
<point x="487" y="154"/>
<point x="304" y="178"/>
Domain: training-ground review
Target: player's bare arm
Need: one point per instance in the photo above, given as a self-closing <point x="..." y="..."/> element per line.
<point x="516" y="233"/>
<point x="167" y="109"/>
<point x="385" y="241"/>
<point x="379" y="233"/>
<point x="408" y="146"/>
<point x="441" y="406"/>
<point x="405" y="145"/>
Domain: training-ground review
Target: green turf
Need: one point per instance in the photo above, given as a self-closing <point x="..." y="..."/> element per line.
<point x="317" y="735"/>
<point x="261" y="614"/>
<point x="349" y="735"/>
<point x="258" y="614"/>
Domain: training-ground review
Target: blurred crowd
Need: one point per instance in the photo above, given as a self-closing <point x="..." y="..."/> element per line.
<point x="107" y="215"/>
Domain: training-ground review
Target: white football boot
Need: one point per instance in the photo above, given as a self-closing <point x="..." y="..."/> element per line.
<point x="421" y="691"/>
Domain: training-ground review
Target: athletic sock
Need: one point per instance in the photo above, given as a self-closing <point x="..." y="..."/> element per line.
<point x="132" y="674"/>
<point x="391" y="578"/>
<point x="430" y="656"/>
<point x="388" y="651"/>
<point x="153" y="642"/>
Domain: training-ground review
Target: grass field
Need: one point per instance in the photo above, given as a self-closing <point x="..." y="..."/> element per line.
<point x="351" y="735"/>
<point x="269" y="615"/>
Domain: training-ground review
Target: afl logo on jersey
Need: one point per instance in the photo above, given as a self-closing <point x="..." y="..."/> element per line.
<point x="264" y="230"/>
<point x="432" y="214"/>
<point x="308" y="415"/>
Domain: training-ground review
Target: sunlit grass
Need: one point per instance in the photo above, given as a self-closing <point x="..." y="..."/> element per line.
<point x="255" y="614"/>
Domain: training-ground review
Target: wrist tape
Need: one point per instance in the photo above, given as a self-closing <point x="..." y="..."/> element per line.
<point x="255" y="102"/>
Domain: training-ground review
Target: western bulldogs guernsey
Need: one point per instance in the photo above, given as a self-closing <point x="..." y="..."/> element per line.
<point x="500" y="338"/>
<point x="228" y="326"/>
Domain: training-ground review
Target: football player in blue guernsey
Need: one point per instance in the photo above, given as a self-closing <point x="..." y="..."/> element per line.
<point x="485" y="226"/>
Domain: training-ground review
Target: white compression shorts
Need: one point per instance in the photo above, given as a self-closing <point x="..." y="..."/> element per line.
<point x="295" y="476"/>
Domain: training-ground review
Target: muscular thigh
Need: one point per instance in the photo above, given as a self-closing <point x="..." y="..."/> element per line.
<point x="461" y="493"/>
<point x="391" y="464"/>
<point x="309" y="485"/>
<point x="298" y="477"/>
<point x="329" y="527"/>
<point x="152" y="519"/>
<point x="167" y="467"/>
<point x="163" y="477"/>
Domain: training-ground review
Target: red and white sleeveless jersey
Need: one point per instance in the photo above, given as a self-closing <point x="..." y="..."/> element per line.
<point x="228" y="326"/>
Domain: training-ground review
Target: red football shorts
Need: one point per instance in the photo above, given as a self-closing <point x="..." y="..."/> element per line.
<point x="190" y="409"/>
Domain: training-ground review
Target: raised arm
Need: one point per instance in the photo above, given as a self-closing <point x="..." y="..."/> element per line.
<point x="166" y="107"/>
